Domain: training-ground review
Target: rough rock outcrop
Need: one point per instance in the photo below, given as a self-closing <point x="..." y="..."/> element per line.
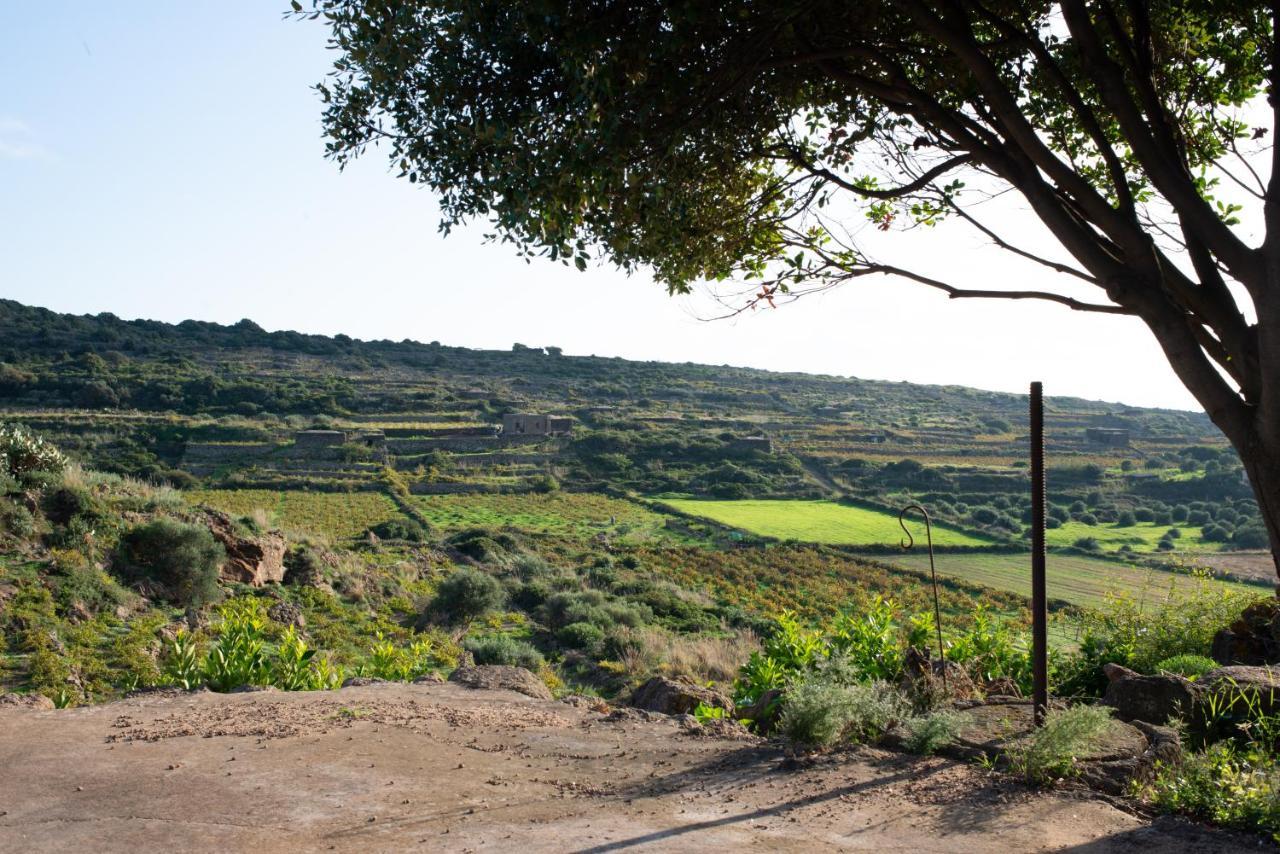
<point x="25" y="701"/>
<point x="254" y="560"/>
<point x="287" y="614"/>
<point x="1154" y="699"/>
<point x="764" y="712"/>
<point x="501" y="677"/>
<point x="1253" y="639"/>
<point x="677" y="697"/>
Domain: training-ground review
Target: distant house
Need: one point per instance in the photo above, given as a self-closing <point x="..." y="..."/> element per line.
<point x="534" y="424"/>
<point x="320" y="438"/>
<point x="1111" y="437"/>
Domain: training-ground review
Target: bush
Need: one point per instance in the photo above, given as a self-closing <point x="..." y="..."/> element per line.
<point x="181" y="560"/>
<point x="1226" y="784"/>
<point x="467" y="594"/>
<point x="1190" y="666"/>
<point x="822" y="713"/>
<point x="1089" y="544"/>
<point x="409" y="530"/>
<point x="1251" y="537"/>
<point x="929" y="733"/>
<point x="1054" y="749"/>
<point x="1126" y="519"/>
<point x="584" y="636"/>
<point x="504" y="649"/>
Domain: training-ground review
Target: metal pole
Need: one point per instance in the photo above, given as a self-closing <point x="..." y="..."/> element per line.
<point x="1039" y="609"/>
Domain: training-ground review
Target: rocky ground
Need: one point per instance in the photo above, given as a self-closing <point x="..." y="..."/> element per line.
<point x="389" y="767"/>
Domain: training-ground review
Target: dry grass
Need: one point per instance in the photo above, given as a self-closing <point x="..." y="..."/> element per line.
<point x="702" y="658"/>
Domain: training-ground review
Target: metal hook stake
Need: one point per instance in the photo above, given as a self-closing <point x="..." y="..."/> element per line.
<point x="933" y="574"/>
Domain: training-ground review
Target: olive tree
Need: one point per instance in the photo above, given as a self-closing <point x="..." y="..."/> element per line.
<point x="731" y="143"/>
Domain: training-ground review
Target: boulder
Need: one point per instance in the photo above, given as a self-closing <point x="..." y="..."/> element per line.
<point x="501" y="677"/>
<point x="254" y="560"/>
<point x="934" y="680"/>
<point x="1240" y="688"/>
<point x="677" y="697"/>
<point x="1253" y="639"/>
<point x="287" y="614"/>
<point x="764" y="712"/>
<point x="1154" y="699"/>
<point x="25" y="701"/>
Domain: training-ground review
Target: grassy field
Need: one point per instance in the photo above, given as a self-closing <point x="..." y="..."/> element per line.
<point x="1141" y="537"/>
<point x="1073" y="578"/>
<point x="339" y="516"/>
<point x="819" y="522"/>
<point x="564" y="513"/>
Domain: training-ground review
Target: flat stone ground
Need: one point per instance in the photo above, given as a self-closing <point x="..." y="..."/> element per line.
<point x="444" y="768"/>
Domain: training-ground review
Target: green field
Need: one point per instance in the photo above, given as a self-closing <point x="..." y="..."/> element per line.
<point x="1073" y="578"/>
<point x="579" y="514"/>
<point x="819" y="522"/>
<point x="1141" y="537"/>
<point x="339" y="516"/>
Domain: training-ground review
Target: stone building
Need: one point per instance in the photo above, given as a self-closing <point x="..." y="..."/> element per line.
<point x="1111" y="437"/>
<point x="534" y="424"/>
<point x="320" y="438"/>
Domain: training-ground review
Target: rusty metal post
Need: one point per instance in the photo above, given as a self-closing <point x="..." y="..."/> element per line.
<point x="1039" y="608"/>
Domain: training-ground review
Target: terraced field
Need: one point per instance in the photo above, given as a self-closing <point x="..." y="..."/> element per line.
<point x="564" y="513"/>
<point x="1074" y="578"/>
<point x="340" y="516"/>
<point x="819" y="522"/>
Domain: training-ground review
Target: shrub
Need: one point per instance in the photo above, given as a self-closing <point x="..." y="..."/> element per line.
<point x="1126" y="519"/>
<point x="1089" y="544"/>
<point x="1197" y="518"/>
<point x="504" y="649"/>
<point x="409" y="530"/>
<point x="181" y="560"/>
<point x="467" y="594"/>
<point x="1087" y="519"/>
<point x="16" y="519"/>
<point x="929" y="733"/>
<point x="1190" y="666"/>
<point x="822" y="713"/>
<point x="1226" y="784"/>
<point x="1054" y="749"/>
<point x="584" y="636"/>
<point x="1252" y="536"/>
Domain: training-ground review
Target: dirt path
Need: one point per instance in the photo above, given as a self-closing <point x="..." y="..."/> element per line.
<point x="443" y="768"/>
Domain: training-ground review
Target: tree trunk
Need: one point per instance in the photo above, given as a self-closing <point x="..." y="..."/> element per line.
<point x="1262" y="464"/>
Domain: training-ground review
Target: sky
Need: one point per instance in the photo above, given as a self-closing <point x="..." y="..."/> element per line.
<point x="164" y="160"/>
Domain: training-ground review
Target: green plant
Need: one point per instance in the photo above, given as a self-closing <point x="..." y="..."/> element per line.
<point x="1226" y="784"/>
<point x="1190" y="666"/>
<point x="23" y="453"/>
<point x="504" y="649"/>
<point x="822" y="713"/>
<point x="926" y="734"/>
<point x="870" y="640"/>
<point x="1053" y="750"/>
<point x="467" y="594"/>
<point x="182" y="665"/>
<point x="238" y="657"/>
<point x="291" y="670"/>
<point x="182" y="560"/>
<point x="706" y="714"/>
<point x="584" y="636"/>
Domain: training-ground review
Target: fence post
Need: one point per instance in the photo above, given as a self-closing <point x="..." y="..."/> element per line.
<point x="1039" y="608"/>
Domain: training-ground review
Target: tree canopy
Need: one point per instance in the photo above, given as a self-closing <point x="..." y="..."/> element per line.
<point x="736" y="141"/>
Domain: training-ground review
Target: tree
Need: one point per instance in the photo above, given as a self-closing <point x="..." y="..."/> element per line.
<point x="735" y="142"/>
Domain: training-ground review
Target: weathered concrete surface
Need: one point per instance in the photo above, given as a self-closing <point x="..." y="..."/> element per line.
<point x="439" y="767"/>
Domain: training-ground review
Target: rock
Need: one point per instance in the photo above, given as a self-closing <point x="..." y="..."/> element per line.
<point x="764" y="712"/>
<point x="79" y="613"/>
<point x="501" y="677"/>
<point x="25" y="701"/>
<point x="1154" y="699"/>
<point x="1113" y="774"/>
<point x="287" y="614"/>
<point x="1004" y="686"/>
<point x="250" y="560"/>
<point x="1253" y="639"/>
<point x="923" y="678"/>
<point x="361" y="681"/>
<point x="1239" y="688"/>
<point x="677" y="697"/>
<point x="428" y="678"/>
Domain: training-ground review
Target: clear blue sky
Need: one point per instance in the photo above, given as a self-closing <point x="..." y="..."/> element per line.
<point x="164" y="160"/>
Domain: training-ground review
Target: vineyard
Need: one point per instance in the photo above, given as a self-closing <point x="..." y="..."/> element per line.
<point x="578" y="515"/>
<point x="340" y="517"/>
<point x="1072" y="578"/>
